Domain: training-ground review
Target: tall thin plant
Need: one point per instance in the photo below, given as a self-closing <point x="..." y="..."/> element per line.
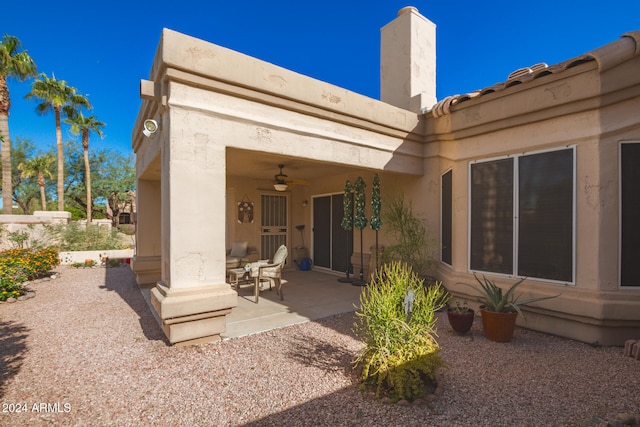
<point x="376" y="204"/>
<point x="57" y="96"/>
<point x="14" y="63"/>
<point x="359" y="219"/>
<point x="347" y="226"/>
<point x="84" y="126"/>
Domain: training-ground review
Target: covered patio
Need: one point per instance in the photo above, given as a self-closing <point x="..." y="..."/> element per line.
<point x="308" y="295"/>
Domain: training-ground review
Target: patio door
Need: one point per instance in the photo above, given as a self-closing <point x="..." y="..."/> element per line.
<point x="332" y="245"/>
<point x="274" y="224"/>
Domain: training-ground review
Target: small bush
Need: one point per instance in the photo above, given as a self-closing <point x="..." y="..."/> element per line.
<point x="396" y="321"/>
<point x="411" y="240"/>
<point x="128" y="229"/>
<point x="115" y="262"/>
<point x="20" y="265"/>
<point x="87" y="263"/>
<point x="73" y="237"/>
<point x="19" y="238"/>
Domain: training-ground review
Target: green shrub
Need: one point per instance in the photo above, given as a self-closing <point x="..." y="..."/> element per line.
<point x="73" y="237"/>
<point x="86" y="263"/>
<point x="400" y="353"/>
<point x="20" y="265"/>
<point x="128" y="229"/>
<point x="115" y="262"/>
<point x="18" y="238"/>
<point x="411" y="242"/>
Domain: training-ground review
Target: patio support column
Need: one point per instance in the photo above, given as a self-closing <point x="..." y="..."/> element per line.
<point x="192" y="299"/>
<point x="146" y="262"/>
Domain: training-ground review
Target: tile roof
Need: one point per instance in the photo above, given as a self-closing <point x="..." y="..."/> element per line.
<point x="606" y="56"/>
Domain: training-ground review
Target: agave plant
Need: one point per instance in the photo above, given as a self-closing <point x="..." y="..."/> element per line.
<point x="493" y="298"/>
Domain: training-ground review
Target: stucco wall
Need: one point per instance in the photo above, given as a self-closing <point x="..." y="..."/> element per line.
<point x="555" y="112"/>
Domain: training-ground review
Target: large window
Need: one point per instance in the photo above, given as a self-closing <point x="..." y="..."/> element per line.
<point x="522" y="215"/>
<point x="630" y="214"/>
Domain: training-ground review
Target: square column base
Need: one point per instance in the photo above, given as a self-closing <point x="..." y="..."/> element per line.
<point x="193" y="315"/>
<point x="147" y="270"/>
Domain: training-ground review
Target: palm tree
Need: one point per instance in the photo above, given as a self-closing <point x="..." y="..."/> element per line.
<point x="16" y="63"/>
<point x="39" y="167"/>
<point x="56" y="95"/>
<point x="85" y="125"/>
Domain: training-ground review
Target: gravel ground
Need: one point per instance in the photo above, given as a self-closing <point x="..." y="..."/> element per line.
<point x="86" y="351"/>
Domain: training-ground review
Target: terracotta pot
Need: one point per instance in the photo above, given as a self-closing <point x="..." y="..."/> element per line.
<point x="461" y="322"/>
<point x="498" y="327"/>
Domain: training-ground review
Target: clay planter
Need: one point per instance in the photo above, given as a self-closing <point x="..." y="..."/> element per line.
<point x="461" y="322"/>
<point x="498" y="327"/>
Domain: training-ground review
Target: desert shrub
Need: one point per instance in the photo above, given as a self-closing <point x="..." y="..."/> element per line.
<point x="128" y="229"/>
<point x="20" y="265"/>
<point x="18" y="238"/>
<point x="411" y="242"/>
<point x="87" y="263"/>
<point x="73" y="237"/>
<point x="396" y="321"/>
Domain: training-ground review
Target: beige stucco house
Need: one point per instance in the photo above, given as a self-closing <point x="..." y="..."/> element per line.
<point x="537" y="176"/>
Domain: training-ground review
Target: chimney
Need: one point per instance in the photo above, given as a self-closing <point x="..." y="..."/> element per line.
<point x="408" y="61"/>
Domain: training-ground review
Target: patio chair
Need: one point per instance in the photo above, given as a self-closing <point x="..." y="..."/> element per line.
<point x="270" y="270"/>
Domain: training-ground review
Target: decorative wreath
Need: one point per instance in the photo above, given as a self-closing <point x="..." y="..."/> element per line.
<point x="245" y="210"/>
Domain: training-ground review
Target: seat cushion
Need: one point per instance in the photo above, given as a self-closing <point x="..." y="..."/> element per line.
<point x="239" y="249"/>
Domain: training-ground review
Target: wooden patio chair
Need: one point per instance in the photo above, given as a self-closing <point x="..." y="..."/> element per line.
<point x="270" y="270"/>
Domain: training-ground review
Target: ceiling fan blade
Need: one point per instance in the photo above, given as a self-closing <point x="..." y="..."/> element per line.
<point x="297" y="182"/>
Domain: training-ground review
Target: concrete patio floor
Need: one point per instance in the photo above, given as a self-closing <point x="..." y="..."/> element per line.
<point x="308" y="295"/>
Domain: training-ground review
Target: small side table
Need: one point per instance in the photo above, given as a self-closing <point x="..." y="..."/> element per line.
<point x="239" y="276"/>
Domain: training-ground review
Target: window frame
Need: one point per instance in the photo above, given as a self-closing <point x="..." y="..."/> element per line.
<point x="516" y="214"/>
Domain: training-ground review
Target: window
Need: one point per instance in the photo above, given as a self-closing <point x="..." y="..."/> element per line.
<point x="630" y="212"/>
<point x="446" y="204"/>
<point x="522" y="215"/>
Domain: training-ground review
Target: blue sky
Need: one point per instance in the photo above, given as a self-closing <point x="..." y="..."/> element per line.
<point x="104" y="50"/>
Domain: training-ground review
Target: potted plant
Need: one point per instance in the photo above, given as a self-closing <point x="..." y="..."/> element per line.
<point x="460" y="317"/>
<point x="499" y="309"/>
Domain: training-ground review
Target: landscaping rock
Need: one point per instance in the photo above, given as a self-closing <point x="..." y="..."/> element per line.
<point x="11" y="300"/>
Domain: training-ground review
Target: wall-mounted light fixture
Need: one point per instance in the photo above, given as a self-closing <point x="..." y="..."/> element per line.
<point x="150" y="127"/>
<point x="305" y="203"/>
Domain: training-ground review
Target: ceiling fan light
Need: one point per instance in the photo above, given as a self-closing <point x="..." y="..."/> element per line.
<point x="280" y="187"/>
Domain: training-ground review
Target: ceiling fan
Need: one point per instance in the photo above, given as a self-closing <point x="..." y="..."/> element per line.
<point x="282" y="181"/>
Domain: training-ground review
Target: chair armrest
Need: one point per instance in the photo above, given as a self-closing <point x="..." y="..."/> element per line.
<point x="255" y="267"/>
<point x="261" y="266"/>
